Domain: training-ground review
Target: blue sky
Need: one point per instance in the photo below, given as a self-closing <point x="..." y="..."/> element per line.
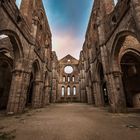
<point x="68" y="20"/>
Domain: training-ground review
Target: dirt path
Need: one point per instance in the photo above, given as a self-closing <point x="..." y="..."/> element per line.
<point x="71" y="122"/>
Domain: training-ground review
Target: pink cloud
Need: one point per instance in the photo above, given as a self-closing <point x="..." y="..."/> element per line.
<point x="65" y="43"/>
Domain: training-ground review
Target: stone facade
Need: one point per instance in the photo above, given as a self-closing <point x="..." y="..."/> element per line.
<point x="106" y="74"/>
<point x="68" y="83"/>
<point x="110" y="59"/>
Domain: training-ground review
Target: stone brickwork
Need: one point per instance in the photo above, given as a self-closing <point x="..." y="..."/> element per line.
<point x="25" y="56"/>
<point x="110" y="58"/>
<point x="106" y="74"/>
<point x="68" y="83"/>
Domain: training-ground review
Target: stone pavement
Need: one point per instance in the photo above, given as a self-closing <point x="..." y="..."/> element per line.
<point x="70" y="122"/>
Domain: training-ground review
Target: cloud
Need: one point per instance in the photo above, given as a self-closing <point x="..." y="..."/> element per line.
<point x="66" y="43"/>
<point x="68" y="20"/>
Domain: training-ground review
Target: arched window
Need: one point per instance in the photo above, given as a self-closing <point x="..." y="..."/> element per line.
<point x="73" y="79"/>
<point x="74" y="90"/>
<point x="115" y="2"/>
<point x="63" y="91"/>
<point x="68" y="91"/>
<point x="64" y="79"/>
<point x="18" y="2"/>
<point x="68" y="78"/>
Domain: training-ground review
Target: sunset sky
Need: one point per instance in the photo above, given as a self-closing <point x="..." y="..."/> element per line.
<point x="68" y="20"/>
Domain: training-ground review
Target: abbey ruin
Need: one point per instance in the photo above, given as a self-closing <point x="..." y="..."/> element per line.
<point x="106" y="74"/>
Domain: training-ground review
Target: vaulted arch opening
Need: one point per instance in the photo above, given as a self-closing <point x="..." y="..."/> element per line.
<point x="103" y="86"/>
<point x="130" y="66"/>
<point x="32" y="88"/>
<point x="5" y="80"/>
<point x="10" y="54"/>
<point x="125" y="66"/>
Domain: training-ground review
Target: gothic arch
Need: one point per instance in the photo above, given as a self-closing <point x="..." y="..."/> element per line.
<point x="6" y="66"/>
<point x="32" y="92"/>
<point x="101" y="87"/>
<point x="16" y="43"/>
<point x="117" y="44"/>
<point x="36" y="69"/>
<point x="130" y="68"/>
<point x="10" y="57"/>
<point x="124" y="56"/>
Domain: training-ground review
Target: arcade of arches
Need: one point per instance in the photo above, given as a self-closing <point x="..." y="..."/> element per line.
<point x="106" y="74"/>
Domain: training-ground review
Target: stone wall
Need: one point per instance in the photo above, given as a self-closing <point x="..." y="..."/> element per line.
<point x="26" y="41"/>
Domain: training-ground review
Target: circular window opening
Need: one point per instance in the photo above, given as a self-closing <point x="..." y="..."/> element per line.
<point x="68" y="69"/>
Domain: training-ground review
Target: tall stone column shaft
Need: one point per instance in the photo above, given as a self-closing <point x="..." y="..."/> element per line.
<point x="89" y="95"/>
<point x="97" y="93"/>
<point x="37" y="94"/>
<point x="46" y="96"/>
<point x="117" y="97"/>
<point x="18" y="91"/>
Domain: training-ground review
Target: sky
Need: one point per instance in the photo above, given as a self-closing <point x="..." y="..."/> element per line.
<point x="68" y="20"/>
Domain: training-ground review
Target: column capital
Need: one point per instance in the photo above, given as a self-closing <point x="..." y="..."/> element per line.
<point x="115" y="73"/>
<point x="20" y="71"/>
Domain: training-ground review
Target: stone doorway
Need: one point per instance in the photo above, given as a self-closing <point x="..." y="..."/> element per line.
<point x="33" y="94"/>
<point x="103" y="87"/>
<point x="30" y="92"/>
<point x="130" y="65"/>
<point x="5" y="82"/>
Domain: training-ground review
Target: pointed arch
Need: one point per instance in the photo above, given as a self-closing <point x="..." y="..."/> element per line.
<point x="15" y="41"/>
<point x="36" y="69"/>
<point x="117" y="45"/>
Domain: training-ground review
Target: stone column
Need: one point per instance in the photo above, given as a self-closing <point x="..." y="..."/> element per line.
<point x="54" y="90"/>
<point x="37" y="94"/>
<point x="116" y="95"/>
<point x="135" y="5"/>
<point x="105" y="64"/>
<point x="18" y="91"/>
<point x="94" y="93"/>
<point x="97" y="93"/>
<point x="83" y="96"/>
<point x="89" y="95"/>
<point x="46" y="95"/>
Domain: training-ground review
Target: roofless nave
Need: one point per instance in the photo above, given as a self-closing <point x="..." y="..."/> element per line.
<point x="107" y="73"/>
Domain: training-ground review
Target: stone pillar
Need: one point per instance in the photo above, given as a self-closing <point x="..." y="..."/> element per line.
<point x="37" y="94"/>
<point x="46" y="95"/>
<point x="97" y="94"/>
<point x="18" y="91"/>
<point x="116" y="95"/>
<point x="105" y="64"/>
<point x="83" y="96"/>
<point x="135" y="5"/>
<point x="94" y="93"/>
<point x="53" y="90"/>
<point x="89" y="95"/>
